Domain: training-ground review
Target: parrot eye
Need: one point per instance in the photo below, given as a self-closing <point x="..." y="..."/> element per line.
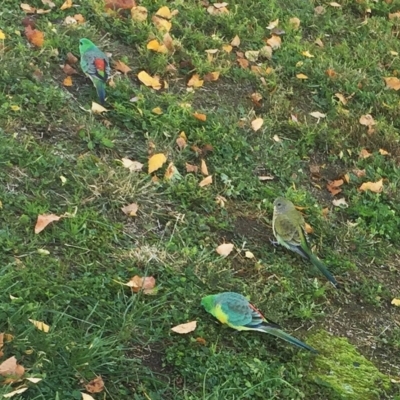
<point x="279" y="204"/>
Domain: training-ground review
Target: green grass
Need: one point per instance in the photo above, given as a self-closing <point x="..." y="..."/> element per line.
<point x="57" y="158"/>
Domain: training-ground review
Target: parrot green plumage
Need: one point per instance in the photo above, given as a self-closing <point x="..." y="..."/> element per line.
<point x="96" y="65"/>
<point x="234" y="310"/>
<point x="288" y="227"/>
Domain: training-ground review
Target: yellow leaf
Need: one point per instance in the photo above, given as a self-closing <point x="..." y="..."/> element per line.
<point x="130" y="209"/>
<point x="294" y="22"/>
<point x="2" y="35"/>
<point x="235" y="41"/>
<point x="319" y="42"/>
<point x="211" y="76"/>
<point x="67" y="4"/>
<point x="15" y="108"/>
<point x="273" y="24"/>
<point x="153" y="45"/>
<point x="67" y="81"/>
<point x="121" y="67"/>
<point x="274" y="41"/>
<point x="249" y="254"/>
<point x="203" y="168"/>
<point x="383" y="152"/>
<point x="157" y="110"/>
<point x="40" y="325"/>
<point x="375" y="187"/>
<point x="308" y="228"/>
<point x="224" y="249"/>
<point x="156" y="162"/>
<point x="301" y="76"/>
<point x="148" y="80"/>
<point x="206" y="181"/>
<point x="227" y="48"/>
<point x="392" y="82"/>
<point x="307" y="54"/>
<point x="195" y="81"/>
<point x="185" y="328"/>
<point x="139" y="13"/>
<point x="342" y="99"/>
<point x="396" y="302"/>
<point x="200" y="117"/>
<point x="97" y="108"/>
<point x="257" y="124"/>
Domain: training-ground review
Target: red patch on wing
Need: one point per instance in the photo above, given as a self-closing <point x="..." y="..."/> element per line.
<point x="100" y="64"/>
<point x="255" y="309"/>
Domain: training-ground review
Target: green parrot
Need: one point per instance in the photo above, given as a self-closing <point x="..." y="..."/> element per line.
<point x="234" y="310"/>
<point x="95" y="65"/>
<point x="288" y="226"/>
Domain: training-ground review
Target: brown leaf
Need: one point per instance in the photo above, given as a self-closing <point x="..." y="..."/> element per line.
<point x="119" y="5"/>
<point x="333" y="186"/>
<point x="10" y="368"/>
<point x="201" y="341"/>
<point x="203" y="168"/>
<point x="243" y="62"/>
<point x="71" y="59"/>
<point x="224" y="249"/>
<point x="34" y="36"/>
<point x="206" y="181"/>
<point x="44" y="220"/>
<point x="384" y="152"/>
<point x="341" y="98"/>
<point x="181" y="142"/>
<point x="199" y="116"/>
<point x="191" y="168"/>
<point x="375" y="187"/>
<point x="170" y="171"/>
<point x="96" y="385"/>
<point x="367" y="120"/>
<point x="256" y="98"/>
<point x="211" y="76"/>
<point x="392" y="82"/>
<point x="256" y="124"/>
<point x="69" y="70"/>
<point x="330" y="72"/>
<point x="146" y="284"/>
<point x="130" y="209"/>
<point x="364" y="153"/>
<point x="274" y="41"/>
<point x="66" y="4"/>
<point x="185" y="328"/>
<point x="121" y="67"/>
<point x="359" y="173"/>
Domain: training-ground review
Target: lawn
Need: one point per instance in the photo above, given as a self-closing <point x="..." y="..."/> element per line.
<point x="247" y="102"/>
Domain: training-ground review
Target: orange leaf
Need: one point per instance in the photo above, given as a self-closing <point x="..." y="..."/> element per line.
<point x="375" y="187"/>
<point x="185" y="328"/>
<point x="243" y="62"/>
<point x="67" y="81"/>
<point x="67" y="4"/>
<point x="96" y="385"/>
<point x="191" y="168"/>
<point x="147" y="284"/>
<point x="206" y="181"/>
<point x="364" y="153"/>
<point x="195" y="81"/>
<point x="44" y="220"/>
<point x="308" y="228"/>
<point x="331" y="73"/>
<point x="200" y="117"/>
<point x="119" y="4"/>
<point x="392" y="82"/>
<point x="79" y="18"/>
<point x="333" y="186"/>
<point x="227" y="48"/>
<point x="211" y="76"/>
<point x="69" y="70"/>
<point x="122" y="67"/>
<point x="34" y="36"/>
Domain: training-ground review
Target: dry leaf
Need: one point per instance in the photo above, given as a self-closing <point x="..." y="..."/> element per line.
<point x="375" y="187"/>
<point x="146" y="284"/>
<point x="256" y="98"/>
<point x="119" y="4"/>
<point x="364" y="153"/>
<point x="130" y="210"/>
<point x="308" y="228"/>
<point x="69" y="70"/>
<point x="319" y="10"/>
<point x="325" y="211"/>
<point x="34" y="36"/>
<point x="383" y="152"/>
<point x="252" y="55"/>
<point x="27" y="8"/>
<point x="266" y="52"/>
<point x="40" y="325"/>
<point x="395" y="302"/>
<point x="249" y="254"/>
<point x="330" y="72"/>
<point x="307" y="54"/>
<point x="256" y="124"/>
<point x="67" y="81"/>
<point x="10" y="368"/>
<point x="139" y="13"/>
<point x="367" y="120"/>
<point x="199" y="116"/>
<point x="161" y="23"/>
<point x="243" y="62"/>
<point x="340" y="202"/>
<point x="359" y="173"/>
<point x="171" y="171"/>
<point x="211" y="76"/>
<point x="97" y="108"/>
<point x="201" y="341"/>
<point x="276" y="138"/>
<point x="86" y="396"/>
<point x="133" y="166"/>
<point x="71" y="59"/>
<point x="148" y="80"/>
<point x="273" y="24"/>
<point x="66" y="4"/>
<point x="333" y="186"/>
<point x="195" y="81"/>
<point x="274" y="41"/>
<point x="203" y="168"/>
<point x="227" y="48"/>
<point x="206" y="181"/>
<point x="44" y="220"/>
<point x="34" y="380"/>
<point x="341" y="98"/>
<point x="191" y="168"/>
<point x="220" y="200"/>
<point x="122" y="67"/>
<point x="157" y="110"/>
<point x="96" y="385"/>
<point x="155" y="45"/>
<point x="294" y="23"/>
<point x="317" y="114"/>
<point x="301" y="76"/>
<point x="156" y="162"/>
<point x="334" y="4"/>
<point x="79" y="18"/>
<point x="235" y="41"/>
<point x="181" y="142"/>
<point x="185" y="328"/>
<point x="391" y="16"/>
<point x="14" y="392"/>
<point x="392" y="82"/>
<point x="224" y="249"/>
<point x="266" y="178"/>
<point x="319" y="42"/>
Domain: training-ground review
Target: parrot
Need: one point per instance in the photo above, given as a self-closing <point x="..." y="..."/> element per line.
<point x="95" y="65"/>
<point x="234" y="310"/>
<point x="288" y="227"/>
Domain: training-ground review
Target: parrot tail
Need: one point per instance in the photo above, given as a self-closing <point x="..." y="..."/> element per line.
<point x="285" y="336"/>
<point x="321" y="266"/>
<point x="100" y="88"/>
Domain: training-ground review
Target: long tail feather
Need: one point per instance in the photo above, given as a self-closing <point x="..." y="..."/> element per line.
<point x="318" y="263"/>
<point x="285" y="336"/>
<point x="100" y="88"/>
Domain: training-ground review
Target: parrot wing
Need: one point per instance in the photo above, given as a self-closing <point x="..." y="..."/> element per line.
<point x="96" y="65"/>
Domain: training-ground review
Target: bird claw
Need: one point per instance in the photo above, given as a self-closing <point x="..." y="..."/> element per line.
<point x="274" y="242"/>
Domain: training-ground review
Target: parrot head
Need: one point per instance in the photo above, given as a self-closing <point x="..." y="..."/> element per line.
<point x="85" y="44"/>
<point x="208" y="302"/>
<point x="282" y="205"/>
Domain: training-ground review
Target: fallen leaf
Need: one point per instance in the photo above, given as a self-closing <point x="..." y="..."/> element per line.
<point x="201" y="341"/>
<point x="319" y="42"/>
<point x="148" y="80"/>
<point x="340" y="202"/>
<point x="330" y="72"/>
<point x="121" y="67"/>
<point x="359" y="173"/>
<point x="171" y="171"/>
<point x="307" y="54"/>
<point x="157" y="110"/>
<point x="334" y="4"/>
<point x="2" y="35"/>
<point x="119" y="4"/>
<point x="199" y="116"/>
<point x="256" y="98"/>
<point x="130" y="210"/>
<point x="161" y="23"/>
<point x="181" y="142"/>
<point x="156" y="162"/>
<point x="252" y="55"/>
<point x="235" y="41"/>
<point x="14" y="392"/>
<point x="79" y="18"/>
<point x="40" y="325"/>
<point x="70" y="20"/>
<point x="203" y="168"/>
<point x="34" y="380"/>
<point x="392" y="82"/>
<point x="364" y="153"/>
<point x="96" y="385"/>
<point x="391" y="15"/>
<point x="227" y="48"/>
<point x="71" y="59"/>
<point x="69" y="70"/>
<point x="395" y="302"/>
<point x="276" y="138"/>
<point x="86" y="396"/>
<point x="319" y="10"/>
<point x="211" y="76"/>
<point x="146" y="284"/>
<point x="249" y="254"/>
<point x="44" y="220"/>
<point x="274" y="41"/>
<point x="317" y="114"/>
<point x="367" y="120"/>
<point x="27" y="8"/>
<point x="301" y="76"/>
<point x="383" y="152"/>
<point x="97" y="108"/>
<point x="225" y="249"/>
<point x="308" y="228"/>
<point x="243" y="63"/>
<point x="333" y="186"/>
<point x="195" y="81"/>
<point x="266" y="52"/>
<point x="213" y="10"/>
<point x="273" y="24"/>
<point x="325" y="211"/>
<point x="133" y="166"/>
<point x="191" y="168"/>
<point x="66" y="4"/>
<point x="155" y="45"/>
<point x="139" y="13"/>
<point x="266" y="178"/>
<point x="294" y="23"/>
<point x="341" y="98"/>
<point x="185" y="328"/>
<point x="67" y="81"/>
<point x="375" y="187"/>
<point x="206" y="181"/>
<point x="220" y="200"/>
<point x="256" y="124"/>
<point x="34" y="36"/>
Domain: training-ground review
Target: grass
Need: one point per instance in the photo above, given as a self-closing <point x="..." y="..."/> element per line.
<point x="57" y="158"/>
